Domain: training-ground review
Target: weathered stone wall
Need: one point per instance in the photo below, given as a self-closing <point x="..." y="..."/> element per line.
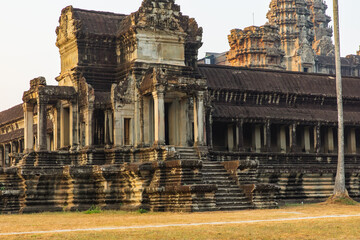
<point x="55" y="182"/>
<point x="292" y="177"/>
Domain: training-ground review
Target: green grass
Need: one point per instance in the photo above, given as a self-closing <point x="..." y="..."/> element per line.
<point x="93" y="209"/>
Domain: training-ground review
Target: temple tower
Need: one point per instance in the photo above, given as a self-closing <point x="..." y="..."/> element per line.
<point x="256" y="47"/>
<point x="295" y="28"/>
<point x="322" y="43"/>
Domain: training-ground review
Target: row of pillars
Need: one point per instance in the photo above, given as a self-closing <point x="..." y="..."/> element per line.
<point x="65" y="126"/>
<point x="287" y="138"/>
<point x="6" y="149"/>
<point x="122" y="115"/>
<point x="159" y="118"/>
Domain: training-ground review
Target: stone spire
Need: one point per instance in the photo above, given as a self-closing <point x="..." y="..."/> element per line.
<point x="295" y="27"/>
<point x="322" y="43"/>
<point x="159" y="33"/>
<point x="256" y="47"/>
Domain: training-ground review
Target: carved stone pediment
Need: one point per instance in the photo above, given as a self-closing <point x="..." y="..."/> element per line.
<point x="68" y="26"/>
<point x="159" y="15"/>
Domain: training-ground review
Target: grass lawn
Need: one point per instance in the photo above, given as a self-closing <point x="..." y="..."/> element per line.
<point x="325" y="228"/>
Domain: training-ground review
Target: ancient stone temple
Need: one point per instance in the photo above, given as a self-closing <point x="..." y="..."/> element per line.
<point x="136" y="122"/>
<point x="297" y="37"/>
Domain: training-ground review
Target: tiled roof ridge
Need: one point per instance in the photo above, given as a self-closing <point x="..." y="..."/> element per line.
<point x="271" y="70"/>
<point x="100" y="12"/>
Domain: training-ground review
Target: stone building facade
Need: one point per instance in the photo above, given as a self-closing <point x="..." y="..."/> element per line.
<point x="136" y="122"/>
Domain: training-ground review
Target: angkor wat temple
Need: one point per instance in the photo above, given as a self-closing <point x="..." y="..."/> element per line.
<point x="136" y="122"/>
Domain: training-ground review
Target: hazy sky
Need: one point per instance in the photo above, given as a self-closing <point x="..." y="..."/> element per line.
<point x="27" y="40"/>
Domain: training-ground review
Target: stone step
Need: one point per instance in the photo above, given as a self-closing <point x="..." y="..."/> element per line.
<point x="225" y="183"/>
<point x="228" y="196"/>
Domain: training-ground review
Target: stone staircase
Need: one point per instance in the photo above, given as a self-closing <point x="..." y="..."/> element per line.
<point x="228" y="195"/>
<point x="187" y="153"/>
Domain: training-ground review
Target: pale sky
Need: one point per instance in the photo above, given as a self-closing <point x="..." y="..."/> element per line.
<point x="27" y="40"/>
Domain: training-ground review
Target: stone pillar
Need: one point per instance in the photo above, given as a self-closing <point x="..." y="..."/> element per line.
<point x="209" y="133"/>
<point x="111" y="127"/>
<point x="256" y="136"/>
<point x="146" y="119"/>
<point x="282" y="139"/>
<point x="268" y="136"/>
<point x="56" y="128"/>
<point x="74" y="125"/>
<point x="317" y="138"/>
<point x="137" y="129"/>
<point x="293" y="143"/>
<point x="159" y="117"/>
<point x="351" y="140"/>
<point x="2" y="159"/>
<point x="118" y="128"/>
<point x="42" y="125"/>
<point x="6" y="156"/>
<point x="230" y="137"/>
<point x="184" y="121"/>
<point x="28" y="127"/>
<point x="89" y="126"/>
<point x="199" y="119"/>
<point x="108" y="128"/>
<point x="240" y="135"/>
<point x="330" y="140"/>
<point x="307" y="146"/>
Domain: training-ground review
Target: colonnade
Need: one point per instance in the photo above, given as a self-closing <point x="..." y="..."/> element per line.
<point x="65" y="125"/>
<point x="283" y="138"/>
<point x="13" y="147"/>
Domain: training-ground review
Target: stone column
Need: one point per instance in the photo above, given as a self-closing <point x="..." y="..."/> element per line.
<point x="2" y="159"/>
<point x="137" y="129"/>
<point x="230" y="137"/>
<point x="42" y="125"/>
<point x="74" y="125"/>
<point x="108" y="127"/>
<point x="293" y="143"/>
<point x="317" y="136"/>
<point x="256" y="138"/>
<point x="351" y="140"/>
<point x="240" y="135"/>
<point x="28" y="127"/>
<point x="268" y="136"/>
<point x="159" y="117"/>
<point x="330" y="140"/>
<point x="88" y="126"/>
<point x="282" y="139"/>
<point x="307" y="146"/>
<point x="111" y="127"/>
<point x="184" y="121"/>
<point x="209" y="134"/>
<point x="56" y="126"/>
<point x="118" y="128"/>
<point x="6" y="156"/>
<point x="199" y="119"/>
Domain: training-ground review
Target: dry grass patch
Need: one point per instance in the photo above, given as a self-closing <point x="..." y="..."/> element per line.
<point x="336" y="228"/>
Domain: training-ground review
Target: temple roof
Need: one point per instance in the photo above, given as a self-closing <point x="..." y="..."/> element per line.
<point x="269" y="81"/>
<point x="99" y="23"/>
<point x="11" y="114"/>
<point x="304" y="114"/>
